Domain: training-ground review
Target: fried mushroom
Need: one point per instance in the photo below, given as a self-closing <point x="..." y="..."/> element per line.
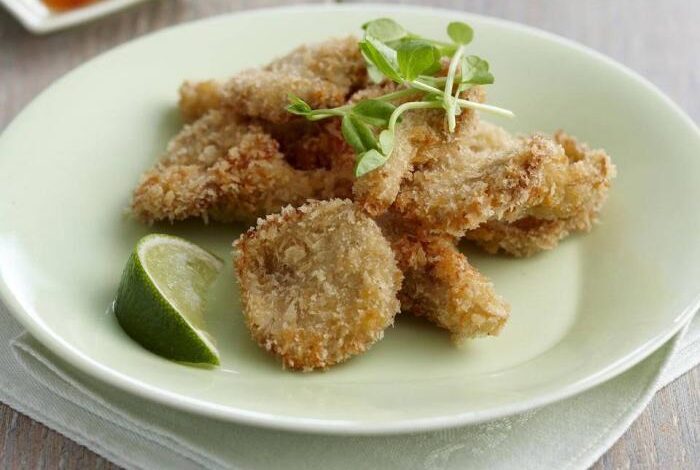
<point x="319" y="283"/>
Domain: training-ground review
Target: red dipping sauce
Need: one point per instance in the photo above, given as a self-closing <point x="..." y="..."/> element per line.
<point x="65" y="4"/>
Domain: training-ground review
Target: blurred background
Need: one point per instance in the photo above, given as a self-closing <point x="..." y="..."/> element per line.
<point x="659" y="39"/>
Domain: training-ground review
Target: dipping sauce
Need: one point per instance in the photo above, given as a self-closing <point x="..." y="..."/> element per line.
<point x="65" y="4"/>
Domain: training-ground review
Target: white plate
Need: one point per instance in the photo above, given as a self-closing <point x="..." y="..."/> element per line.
<point x="39" y="19"/>
<point x="581" y="314"/>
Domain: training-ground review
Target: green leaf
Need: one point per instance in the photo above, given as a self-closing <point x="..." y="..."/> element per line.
<point x="437" y="66"/>
<point x="460" y="33"/>
<point x="384" y="29"/>
<point x="446" y="50"/>
<point x="374" y="112"/>
<point x="298" y="106"/>
<point x="386" y="141"/>
<point x="373" y="72"/>
<point x="475" y="70"/>
<point x="357" y="134"/>
<point x="382" y="56"/>
<point x="368" y="161"/>
<point x="415" y="57"/>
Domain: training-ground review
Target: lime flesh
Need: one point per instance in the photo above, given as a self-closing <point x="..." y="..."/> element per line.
<point x="161" y="298"/>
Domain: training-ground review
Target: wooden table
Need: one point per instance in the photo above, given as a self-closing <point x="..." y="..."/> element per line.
<point x="661" y="40"/>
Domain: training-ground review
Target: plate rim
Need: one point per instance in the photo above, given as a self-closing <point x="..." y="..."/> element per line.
<point x="67" y="353"/>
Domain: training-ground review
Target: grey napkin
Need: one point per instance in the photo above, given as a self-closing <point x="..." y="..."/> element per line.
<point x="136" y="433"/>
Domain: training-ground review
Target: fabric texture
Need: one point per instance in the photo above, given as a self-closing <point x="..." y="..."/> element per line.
<point x="135" y="433"/>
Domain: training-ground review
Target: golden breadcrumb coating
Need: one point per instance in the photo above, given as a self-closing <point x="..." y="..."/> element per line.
<point x="255" y="180"/>
<point x="196" y="98"/>
<point x="486" y="138"/>
<point x="175" y="192"/>
<point x="521" y="238"/>
<point x="578" y="192"/>
<point x="224" y="168"/>
<point x="314" y="145"/>
<point x="579" y="188"/>
<point x="420" y="136"/>
<point x="207" y="139"/>
<point x="461" y="190"/>
<point x="323" y="74"/>
<point x="441" y="285"/>
<point x="318" y="283"/>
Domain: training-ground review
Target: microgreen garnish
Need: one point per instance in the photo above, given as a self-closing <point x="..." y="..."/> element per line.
<point x="460" y="33"/>
<point x="385" y="30"/>
<point x="413" y="62"/>
<point x="416" y="57"/>
<point x="358" y="134"/>
<point x="475" y="70"/>
<point x="381" y="56"/>
<point x="374" y="112"/>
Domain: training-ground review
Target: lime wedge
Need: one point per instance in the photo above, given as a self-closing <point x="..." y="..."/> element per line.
<point x="161" y="298"/>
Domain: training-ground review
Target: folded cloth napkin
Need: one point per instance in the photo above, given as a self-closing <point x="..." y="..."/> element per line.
<point x="135" y="433"/>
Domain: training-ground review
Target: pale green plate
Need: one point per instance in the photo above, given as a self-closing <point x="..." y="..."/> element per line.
<point x="581" y="314"/>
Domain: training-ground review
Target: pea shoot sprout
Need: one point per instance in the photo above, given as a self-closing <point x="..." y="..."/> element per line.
<point x="413" y="62"/>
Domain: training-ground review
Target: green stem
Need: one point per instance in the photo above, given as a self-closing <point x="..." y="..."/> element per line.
<point x="432" y="41"/>
<point x="450" y="102"/>
<point x="318" y="114"/>
<point x="433" y="80"/>
<point x="427" y="80"/>
<point x="440" y="81"/>
<point x="485" y="107"/>
<point x="410" y="105"/>
<point x="397" y="94"/>
<point x="423" y="86"/>
<point x="464" y="103"/>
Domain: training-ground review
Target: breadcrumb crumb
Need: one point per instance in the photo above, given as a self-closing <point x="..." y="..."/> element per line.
<point x="226" y="168"/>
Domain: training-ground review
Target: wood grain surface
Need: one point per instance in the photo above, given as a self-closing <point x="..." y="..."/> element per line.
<point x="659" y="39"/>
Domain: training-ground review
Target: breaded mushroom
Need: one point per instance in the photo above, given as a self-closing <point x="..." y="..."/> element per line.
<point x="521" y="238"/>
<point x="227" y="168"/>
<point x="319" y="283"/>
<point x="323" y="74"/>
<point x="421" y="136"/>
<point x="440" y="285"/>
<point x="462" y="189"/>
<point x="577" y="193"/>
<point x="580" y="188"/>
